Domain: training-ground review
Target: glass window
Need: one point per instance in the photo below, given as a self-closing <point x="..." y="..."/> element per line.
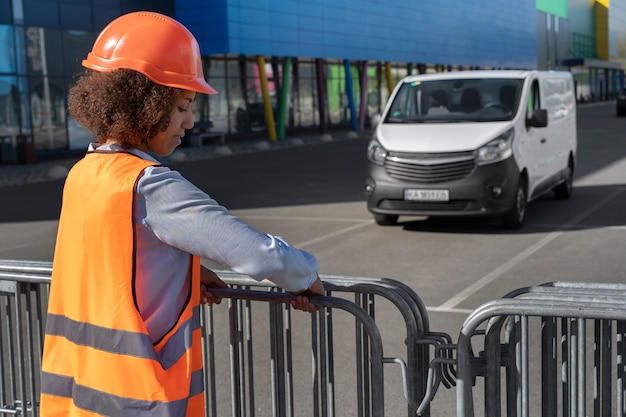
<point x="45" y="51"/>
<point x="374" y="102"/>
<point x="41" y="13"/>
<point x="467" y="99"/>
<point x="253" y="117"/>
<point x="76" y="46"/>
<point x="9" y="106"/>
<point x="305" y="97"/>
<point x="104" y="14"/>
<point x="21" y="50"/>
<point x="76" y="16"/>
<point x="48" y="112"/>
<point x="214" y="107"/>
<point x="24" y="105"/>
<point x="336" y="97"/>
<point x="5" y="12"/>
<point x="7" y="49"/>
<point x="235" y="96"/>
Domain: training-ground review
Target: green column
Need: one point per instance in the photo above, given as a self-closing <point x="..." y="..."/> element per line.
<point x="282" y="104"/>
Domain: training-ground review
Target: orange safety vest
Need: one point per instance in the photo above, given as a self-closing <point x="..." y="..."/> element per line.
<point x="98" y="359"/>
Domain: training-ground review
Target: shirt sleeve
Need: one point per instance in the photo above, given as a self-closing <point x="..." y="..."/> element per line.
<point x="183" y="216"/>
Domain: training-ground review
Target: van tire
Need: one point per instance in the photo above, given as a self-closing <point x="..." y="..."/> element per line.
<point x="563" y="191"/>
<point x="515" y="218"/>
<point x="385" y="219"/>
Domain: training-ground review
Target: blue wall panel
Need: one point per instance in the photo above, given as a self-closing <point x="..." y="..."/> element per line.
<point x="462" y="32"/>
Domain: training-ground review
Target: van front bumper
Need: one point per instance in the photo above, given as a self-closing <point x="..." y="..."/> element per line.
<point x="488" y="190"/>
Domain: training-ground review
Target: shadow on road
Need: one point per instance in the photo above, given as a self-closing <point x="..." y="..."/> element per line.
<point x="590" y="207"/>
<point x="334" y="172"/>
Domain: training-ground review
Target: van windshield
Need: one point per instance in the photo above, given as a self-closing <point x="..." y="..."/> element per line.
<point x="456" y="100"/>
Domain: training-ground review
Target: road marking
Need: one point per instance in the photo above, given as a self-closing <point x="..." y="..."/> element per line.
<point x="322" y="219"/>
<point x="464" y="311"/>
<point x="499" y="271"/>
<point x="23" y="245"/>
<point x="333" y="234"/>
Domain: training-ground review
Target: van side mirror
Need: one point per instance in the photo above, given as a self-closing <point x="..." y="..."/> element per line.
<point x="539" y="118"/>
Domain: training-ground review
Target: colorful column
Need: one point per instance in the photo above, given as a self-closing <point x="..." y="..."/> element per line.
<point x="350" y="93"/>
<point x="284" y="95"/>
<point x="363" y="95"/>
<point x="321" y="94"/>
<point x="389" y="78"/>
<point x="267" y="104"/>
<point x="601" y="9"/>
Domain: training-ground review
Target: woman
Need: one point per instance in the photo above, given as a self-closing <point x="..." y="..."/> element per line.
<point x="122" y="333"/>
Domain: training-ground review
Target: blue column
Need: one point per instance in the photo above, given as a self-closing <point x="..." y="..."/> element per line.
<point x="350" y="93"/>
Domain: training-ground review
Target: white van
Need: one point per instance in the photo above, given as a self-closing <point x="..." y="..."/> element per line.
<point x="473" y="143"/>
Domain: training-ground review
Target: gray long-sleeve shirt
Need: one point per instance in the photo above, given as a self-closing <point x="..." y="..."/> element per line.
<point x="174" y="218"/>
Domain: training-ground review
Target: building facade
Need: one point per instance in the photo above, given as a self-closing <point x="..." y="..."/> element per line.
<point x="282" y="66"/>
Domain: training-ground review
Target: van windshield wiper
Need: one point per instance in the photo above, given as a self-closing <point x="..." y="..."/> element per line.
<point x="404" y="120"/>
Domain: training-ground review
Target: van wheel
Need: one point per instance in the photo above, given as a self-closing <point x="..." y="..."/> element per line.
<point x="385" y="219"/>
<point x="516" y="217"/>
<point x="563" y="191"/>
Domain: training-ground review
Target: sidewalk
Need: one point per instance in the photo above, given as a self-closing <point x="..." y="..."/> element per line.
<point x="16" y="174"/>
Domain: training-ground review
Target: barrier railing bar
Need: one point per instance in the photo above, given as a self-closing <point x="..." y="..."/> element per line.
<point x="621" y="353"/>
<point x="208" y="357"/>
<point x="406" y="301"/>
<point x="277" y="358"/>
<point x="30" y="351"/>
<point x="289" y="357"/>
<point x="565" y="364"/>
<point x="20" y="350"/>
<point x="549" y="365"/>
<point x="375" y="348"/>
<point x="517" y="307"/>
<point x="315" y="354"/>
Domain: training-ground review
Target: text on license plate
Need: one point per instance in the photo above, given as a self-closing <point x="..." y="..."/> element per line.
<point x="426" y="195"/>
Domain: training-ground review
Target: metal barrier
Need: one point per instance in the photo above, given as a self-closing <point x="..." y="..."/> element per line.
<point x="277" y="363"/>
<point x="554" y="350"/>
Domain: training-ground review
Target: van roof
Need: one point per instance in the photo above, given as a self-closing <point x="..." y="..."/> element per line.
<point x="521" y="74"/>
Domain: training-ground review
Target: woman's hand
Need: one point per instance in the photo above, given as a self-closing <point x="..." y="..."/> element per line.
<point x="302" y="301"/>
<point x="209" y="279"/>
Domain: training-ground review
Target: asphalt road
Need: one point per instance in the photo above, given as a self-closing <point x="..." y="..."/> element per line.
<point x="312" y="196"/>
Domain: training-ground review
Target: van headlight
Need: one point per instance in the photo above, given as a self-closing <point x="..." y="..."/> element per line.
<point x="376" y="153"/>
<point x="497" y="150"/>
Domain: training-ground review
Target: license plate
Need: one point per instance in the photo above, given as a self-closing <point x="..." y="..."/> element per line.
<point x="426" y="195"/>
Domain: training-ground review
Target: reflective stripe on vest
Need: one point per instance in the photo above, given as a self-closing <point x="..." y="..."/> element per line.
<point x="98" y="358"/>
<point x="91" y="400"/>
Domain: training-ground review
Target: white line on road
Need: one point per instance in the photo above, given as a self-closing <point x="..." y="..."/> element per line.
<point x="464" y="311"/>
<point x="333" y="234"/>
<point x="499" y="271"/>
<point x="20" y="246"/>
<point x="307" y="219"/>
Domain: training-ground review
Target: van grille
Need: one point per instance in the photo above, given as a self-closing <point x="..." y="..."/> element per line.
<point x="429" y="167"/>
<point x="458" y="205"/>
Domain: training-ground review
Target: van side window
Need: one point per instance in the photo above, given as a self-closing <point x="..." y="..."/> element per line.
<point x="534" y="100"/>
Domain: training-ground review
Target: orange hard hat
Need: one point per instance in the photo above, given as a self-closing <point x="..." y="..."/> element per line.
<point x="153" y="44"/>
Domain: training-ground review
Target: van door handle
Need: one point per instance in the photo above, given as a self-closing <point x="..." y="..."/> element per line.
<point x="543" y="140"/>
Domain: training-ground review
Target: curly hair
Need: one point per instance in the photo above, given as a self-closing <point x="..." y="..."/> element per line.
<point x="123" y="106"/>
